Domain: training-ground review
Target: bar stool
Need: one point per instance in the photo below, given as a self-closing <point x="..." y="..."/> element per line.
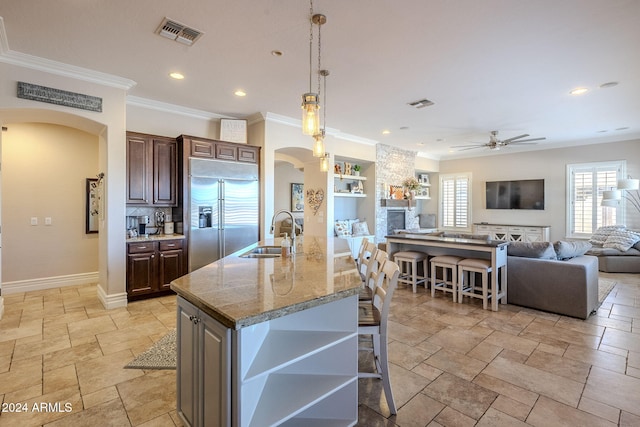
<point x="373" y="271"/>
<point x="448" y="264"/>
<point x="408" y="263"/>
<point x="471" y="266"/>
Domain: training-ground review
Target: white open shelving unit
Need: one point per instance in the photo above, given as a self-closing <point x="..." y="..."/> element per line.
<point x="338" y="182"/>
<point x="299" y="369"/>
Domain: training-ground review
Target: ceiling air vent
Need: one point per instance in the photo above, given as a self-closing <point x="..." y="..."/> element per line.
<point x="421" y="104"/>
<point x="179" y="32"/>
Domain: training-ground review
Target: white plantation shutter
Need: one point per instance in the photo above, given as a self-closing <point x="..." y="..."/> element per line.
<point x="455" y="200"/>
<point x="586" y="182"/>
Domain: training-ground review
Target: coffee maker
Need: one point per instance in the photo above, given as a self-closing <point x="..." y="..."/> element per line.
<point x="143" y="220"/>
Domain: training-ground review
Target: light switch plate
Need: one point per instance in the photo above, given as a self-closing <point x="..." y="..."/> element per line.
<point x="34" y="220"/>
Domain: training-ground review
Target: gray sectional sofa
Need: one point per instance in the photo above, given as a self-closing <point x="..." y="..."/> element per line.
<point x="617" y="249"/>
<point x="537" y="279"/>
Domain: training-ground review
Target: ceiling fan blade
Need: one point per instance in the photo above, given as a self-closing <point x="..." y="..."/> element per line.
<point x="529" y="140"/>
<point x="506" y="141"/>
<point x="469" y="146"/>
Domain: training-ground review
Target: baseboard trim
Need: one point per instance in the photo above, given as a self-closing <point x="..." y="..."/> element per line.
<point x="49" y="283"/>
<point x="112" y="301"/>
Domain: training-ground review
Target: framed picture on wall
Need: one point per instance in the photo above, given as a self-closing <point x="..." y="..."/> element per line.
<point x="297" y="197"/>
<point x="93" y="206"/>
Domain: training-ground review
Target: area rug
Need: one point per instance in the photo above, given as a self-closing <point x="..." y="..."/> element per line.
<point x="604" y="287"/>
<point x="161" y="355"/>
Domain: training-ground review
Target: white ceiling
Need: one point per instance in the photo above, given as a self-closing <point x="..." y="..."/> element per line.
<point x="504" y="65"/>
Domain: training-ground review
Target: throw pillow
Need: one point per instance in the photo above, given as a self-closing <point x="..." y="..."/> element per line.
<point x="542" y="250"/>
<point x="360" y="229"/>
<point x="601" y="234"/>
<point x="621" y="240"/>
<point x="342" y="228"/>
<point x="570" y="249"/>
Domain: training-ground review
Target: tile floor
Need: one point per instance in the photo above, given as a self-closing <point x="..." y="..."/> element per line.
<point x="451" y="364"/>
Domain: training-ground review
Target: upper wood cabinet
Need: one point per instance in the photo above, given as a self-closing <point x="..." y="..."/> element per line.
<point x="152" y="177"/>
<point x="221" y="150"/>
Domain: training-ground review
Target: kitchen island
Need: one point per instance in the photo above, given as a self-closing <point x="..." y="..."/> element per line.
<point x="270" y="341"/>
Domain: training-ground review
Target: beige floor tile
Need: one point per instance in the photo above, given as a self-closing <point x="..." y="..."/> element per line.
<point x="66" y="318"/>
<point x="25" y="329"/>
<point x="555" y="335"/>
<point x="629" y="420"/>
<point x="625" y="311"/>
<point x="164" y="420"/>
<point x="511" y="407"/>
<point x="456" y="338"/>
<point x="21" y="376"/>
<point x="512" y="342"/>
<point x="405" y="355"/>
<point x="599" y="409"/>
<point x="610" y="323"/>
<point x="451" y="417"/>
<point x="70" y="356"/>
<point x="418" y="411"/>
<point x="634" y="359"/>
<point x="149" y="396"/>
<point x="549" y="413"/>
<point x="565" y="367"/>
<point x="599" y="358"/>
<point x="614" y="389"/>
<point x="427" y="371"/>
<point x="50" y="345"/>
<point x="118" y="340"/>
<point x="621" y="339"/>
<point x="497" y="418"/>
<point x="485" y="352"/>
<point x="58" y="379"/>
<point x="100" y="372"/>
<point x="463" y="396"/>
<point x="109" y="414"/>
<point x="91" y="327"/>
<point x="501" y="387"/>
<point x="46" y="408"/>
<point x="456" y="363"/>
<point x="101" y="396"/>
<point x="538" y="381"/>
<point x="407" y="334"/>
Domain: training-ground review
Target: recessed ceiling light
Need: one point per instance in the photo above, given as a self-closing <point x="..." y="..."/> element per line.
<point x="386" y="132"/>
<point x="240" y="92"/>
<point x="624" y="128"/>
<point x="608" y="85"/>
<point x="176" y="75"/>
<point x="602" y="131"/>
<point x="440" y="140"/>
<point x="404" y="128"/>
<point x="579" y="91"/>
<point x="276" y="53"/>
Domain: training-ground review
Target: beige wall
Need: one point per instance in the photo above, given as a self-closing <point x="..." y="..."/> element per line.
<point x="548" y="164"/>
<point x="44" y="171"/>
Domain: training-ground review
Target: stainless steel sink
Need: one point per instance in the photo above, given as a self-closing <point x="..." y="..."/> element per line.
<point x="263" y="252"/>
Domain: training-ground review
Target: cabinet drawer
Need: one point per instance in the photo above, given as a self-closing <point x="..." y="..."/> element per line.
<point x="499" y="229"/>
<point x="202" y="149"/>
<point x="141" y="247"/>
<point x="248" y="154"/>
<point x="226" y="152"/>
<point x="518" y="230"/>
<point x="169" y="245"/>
<point x="533" y="230"/>
<point x="486" y="229"/>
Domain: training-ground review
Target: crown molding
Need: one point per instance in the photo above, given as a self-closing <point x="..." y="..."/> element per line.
<point x="336" y="133"/>
<point x="172" y="108"/>
<point x="11" y="57"/>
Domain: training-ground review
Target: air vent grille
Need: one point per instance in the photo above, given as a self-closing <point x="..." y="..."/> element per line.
<point x="421" y="104"/>
<point x="179" y="32"/>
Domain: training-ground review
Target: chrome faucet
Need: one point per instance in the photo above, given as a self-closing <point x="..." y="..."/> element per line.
<point x="293" y="227"/>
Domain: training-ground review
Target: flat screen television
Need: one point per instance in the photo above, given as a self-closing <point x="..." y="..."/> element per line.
<point x="522" y="194"/>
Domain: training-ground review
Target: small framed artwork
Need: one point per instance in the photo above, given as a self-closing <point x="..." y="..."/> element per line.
<point x="396" y="192"/>
<point x="93" y="206"/>
<point x="297" y="197"/>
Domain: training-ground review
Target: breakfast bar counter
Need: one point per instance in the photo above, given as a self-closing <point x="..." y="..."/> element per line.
<point x="267" y="340"/>
<point x="495" y="250"/>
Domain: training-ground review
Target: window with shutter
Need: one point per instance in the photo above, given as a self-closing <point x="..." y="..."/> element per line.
<point x="455" y="201"/>
<point x="586" y="182"/>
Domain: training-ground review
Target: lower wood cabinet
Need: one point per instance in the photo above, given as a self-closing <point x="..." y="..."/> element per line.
<point x="204" y="368"/>
<point x="152" y="265"/>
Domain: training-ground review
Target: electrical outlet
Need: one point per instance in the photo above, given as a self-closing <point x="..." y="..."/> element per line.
<point x="47" y="220"/>
<point x="34" y="220"/>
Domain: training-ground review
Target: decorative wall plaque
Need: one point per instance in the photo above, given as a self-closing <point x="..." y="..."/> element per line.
<point x="232" y="130"/>
<point x="59" y="97"/>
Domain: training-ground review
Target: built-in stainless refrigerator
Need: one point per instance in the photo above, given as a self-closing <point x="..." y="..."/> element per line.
<point x="223" y="209"/>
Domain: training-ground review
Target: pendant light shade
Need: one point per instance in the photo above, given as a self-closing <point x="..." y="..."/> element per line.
<point x="324" y="163"/>
<point x="318" y="145"/>
<point x="310" y="114"/>
<point x="628" y="184"/>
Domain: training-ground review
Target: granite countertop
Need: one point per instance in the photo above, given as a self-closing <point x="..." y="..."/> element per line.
<point x="439" y="239"/>
<point x="240" y="292"/>
<point x="154" y="238"/>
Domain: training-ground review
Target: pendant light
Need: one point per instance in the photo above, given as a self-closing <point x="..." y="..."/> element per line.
<point x="324" y="163"/>
<point x="311" y="100"/>
<point x="318" y="145"/>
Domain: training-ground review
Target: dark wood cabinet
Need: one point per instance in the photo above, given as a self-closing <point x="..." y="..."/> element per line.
<point x="152" y="265"/>
<point x="152" y="170"/>
<point x="221" y="150"/>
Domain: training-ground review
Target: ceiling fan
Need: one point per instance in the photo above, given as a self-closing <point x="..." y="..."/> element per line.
<point x="495" y="144"/>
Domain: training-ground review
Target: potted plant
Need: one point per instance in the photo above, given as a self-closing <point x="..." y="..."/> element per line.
<point x="356" y="170"/>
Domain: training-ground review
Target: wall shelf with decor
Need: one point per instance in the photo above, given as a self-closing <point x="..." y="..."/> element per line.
<point x="424" y="192"/>
<point x="344" y="184"/>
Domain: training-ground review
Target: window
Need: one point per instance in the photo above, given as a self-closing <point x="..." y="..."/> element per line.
<point x="455" y="204"/>
<point x="586" y="182"/>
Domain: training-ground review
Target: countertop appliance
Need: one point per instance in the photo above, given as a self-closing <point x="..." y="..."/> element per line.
<point x="223" y="209"/>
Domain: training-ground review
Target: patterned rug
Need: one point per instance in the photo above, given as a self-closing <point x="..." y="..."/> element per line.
<point x="604" y="287"/>
<point x="161" y="355"/>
